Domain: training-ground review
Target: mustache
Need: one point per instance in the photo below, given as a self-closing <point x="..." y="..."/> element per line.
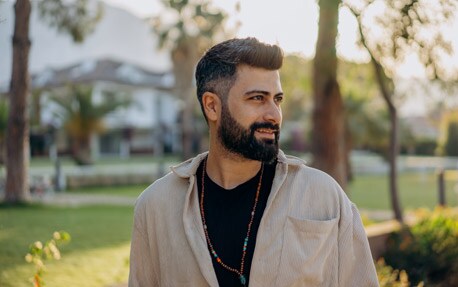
<point x="265" y="125"/>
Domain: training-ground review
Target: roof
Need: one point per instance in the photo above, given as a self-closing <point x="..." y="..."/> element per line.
<point x="90" y="71"/>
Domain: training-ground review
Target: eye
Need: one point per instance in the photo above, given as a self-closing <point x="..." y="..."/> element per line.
<point x="257" y="97"/>
<point x="279" y="99"/>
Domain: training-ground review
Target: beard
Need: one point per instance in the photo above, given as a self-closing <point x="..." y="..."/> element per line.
<point x="236" y="139"/>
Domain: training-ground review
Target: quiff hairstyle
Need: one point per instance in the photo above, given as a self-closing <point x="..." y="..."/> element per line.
<point x="216" y="71"/>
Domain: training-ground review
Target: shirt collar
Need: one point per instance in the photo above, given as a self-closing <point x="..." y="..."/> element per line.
<point x="189" y="168"/>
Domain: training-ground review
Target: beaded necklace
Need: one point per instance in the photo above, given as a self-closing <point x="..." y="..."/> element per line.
<point x="240" y="272"/>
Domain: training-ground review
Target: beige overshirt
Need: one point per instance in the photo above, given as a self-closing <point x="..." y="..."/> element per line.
<point x="310" y="233"/>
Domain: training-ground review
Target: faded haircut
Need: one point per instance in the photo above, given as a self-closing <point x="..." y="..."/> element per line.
<point x="216" y="71"/>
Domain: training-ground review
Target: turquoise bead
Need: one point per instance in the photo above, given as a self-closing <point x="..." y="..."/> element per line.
<point x="242" y="280"/>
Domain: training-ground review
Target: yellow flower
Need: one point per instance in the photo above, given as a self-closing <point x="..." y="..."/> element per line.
<point x="29" y="258"/>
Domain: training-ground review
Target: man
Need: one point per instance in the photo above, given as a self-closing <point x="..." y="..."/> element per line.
<point x="245" y="213"/>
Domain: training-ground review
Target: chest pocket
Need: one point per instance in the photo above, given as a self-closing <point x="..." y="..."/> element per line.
<point x="309" y="253"/>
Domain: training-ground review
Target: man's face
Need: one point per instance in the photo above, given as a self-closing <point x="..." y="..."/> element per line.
<point x="251" y="116"/>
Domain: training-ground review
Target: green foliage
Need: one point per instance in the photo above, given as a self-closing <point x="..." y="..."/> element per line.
<point x="421" y="146"/>
<point x="83" y="117"/>
<point x="296" y="78"/>
<point x="185" y="20"/>
<point x="429" y="250"/>
<point x="394" y="29"/>
<point x="358" y="79"/>
<point x="448" y="141"/>
<point x="368" y="125"/>
<point x="389" y="277"/>
<point x="39" y="253"/>
<point x="451" y="143"/>
<point x="96" y="256"/>
<point x="367" y="121"/>
<point x="75" y="18"/>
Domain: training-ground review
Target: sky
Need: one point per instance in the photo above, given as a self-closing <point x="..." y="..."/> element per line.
<point x="293" y="24"/>
<point x="290" y="23"/>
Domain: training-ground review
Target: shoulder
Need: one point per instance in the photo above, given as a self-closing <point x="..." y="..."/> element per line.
<point x="309" y="176"/>
<point x="162" y="191"/>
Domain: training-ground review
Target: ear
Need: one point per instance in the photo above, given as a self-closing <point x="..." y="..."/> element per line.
<point x="212" y="105"/>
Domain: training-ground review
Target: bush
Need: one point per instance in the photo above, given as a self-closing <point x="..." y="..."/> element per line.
<point x="425" y="146"/>
<point x="429" y="250"/>
<point x="389" y="277"/>
<point x="451" y="144"/>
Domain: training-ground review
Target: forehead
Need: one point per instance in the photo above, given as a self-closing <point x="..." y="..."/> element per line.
<point x="253" y="78"/>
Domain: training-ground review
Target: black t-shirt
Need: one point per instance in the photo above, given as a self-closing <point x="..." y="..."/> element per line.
<point x="227" y="214"/>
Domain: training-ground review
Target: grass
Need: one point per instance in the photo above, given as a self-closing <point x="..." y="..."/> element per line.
<point x="103" y="161"/>
<point x="366" y="191"/>
<point x="415" y="190"/>
<point x="99" y="250"/>
<point x="96" y="256"/>
<point x="122" y="190"/>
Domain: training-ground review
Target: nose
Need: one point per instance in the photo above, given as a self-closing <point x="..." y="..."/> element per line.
<point x="273" y="113"/>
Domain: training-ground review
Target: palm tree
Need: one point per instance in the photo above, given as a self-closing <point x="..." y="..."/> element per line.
<point x="83" y="118"/>
<point x="187" y="36"/>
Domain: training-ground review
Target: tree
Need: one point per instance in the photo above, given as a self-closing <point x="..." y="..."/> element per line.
<point x="3" y="123"/>
<point x="410" y="26"/>
<point x="296" y="82"/>
<point x="361" y="125"/>
<point x="192" y="30"/>
<point x="17" y="131"/>
<point x="448" y="141"/>
<point x="365" y="127"/>
<point x="69" y="16"/>
<point x="328" y="145"/>
<point x="451" y="145"/>
<point x="83" y="118"/>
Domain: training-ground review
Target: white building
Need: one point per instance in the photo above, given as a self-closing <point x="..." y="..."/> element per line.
<point x="119" y="58"/>
<point x="119" y="35"/>
<point x="148" y="124"/>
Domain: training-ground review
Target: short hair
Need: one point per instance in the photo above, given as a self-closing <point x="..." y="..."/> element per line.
<point x="216" y="70"/>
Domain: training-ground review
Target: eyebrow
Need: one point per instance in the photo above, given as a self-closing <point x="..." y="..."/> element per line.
<point x="262" y="92"/>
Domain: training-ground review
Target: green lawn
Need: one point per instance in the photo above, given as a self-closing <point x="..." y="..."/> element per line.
<point x="122" y="190"/>
<point x="415" y="189"/>
<point x="367" y="191"/>
<point x="99" y="249"/>
<point x="96" y="256"/>
<point x="115" y="160"/>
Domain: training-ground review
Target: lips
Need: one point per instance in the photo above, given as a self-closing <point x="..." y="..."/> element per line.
<point x="267" y="131"/>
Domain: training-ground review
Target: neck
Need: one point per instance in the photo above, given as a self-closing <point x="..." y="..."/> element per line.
<point x="229" y="170"/>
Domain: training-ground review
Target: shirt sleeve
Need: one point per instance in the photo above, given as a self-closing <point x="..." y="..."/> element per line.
<point x="142" y="269"/>
<point x="356" y="266"/>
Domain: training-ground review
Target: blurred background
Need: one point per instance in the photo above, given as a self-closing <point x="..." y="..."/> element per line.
<point x="97" y="100"/>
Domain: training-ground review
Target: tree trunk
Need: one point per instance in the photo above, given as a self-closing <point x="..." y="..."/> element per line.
<point x="82" y="151"/>
<point x="394" y="142"/>
<point x="17" y="132"/>
<point x="184" y="58"/>
<point x="328" y="143"/>
<point x="348" y="149"/>
<point x="394" y="145"/>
